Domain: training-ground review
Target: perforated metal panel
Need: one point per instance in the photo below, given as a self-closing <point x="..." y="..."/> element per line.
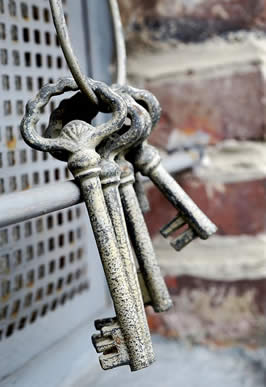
<point x="44" y="261"/>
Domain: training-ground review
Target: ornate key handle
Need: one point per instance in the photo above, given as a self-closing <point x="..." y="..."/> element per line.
<point x="69" y="109"/>
<point x="76" y="136"/>
<point x="145" y="99"/>
<point x="128" y="135"/>
<point x="33" y="109"/>
<point x="147" y="160"/>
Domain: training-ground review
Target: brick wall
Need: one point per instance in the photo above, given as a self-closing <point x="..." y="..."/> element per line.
<point x="205" y="61"/>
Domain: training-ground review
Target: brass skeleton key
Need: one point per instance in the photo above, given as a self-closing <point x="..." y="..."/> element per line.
<point x="75" y="143"/>
<point x="110" y="179"/>
<point x="147" y="160"/>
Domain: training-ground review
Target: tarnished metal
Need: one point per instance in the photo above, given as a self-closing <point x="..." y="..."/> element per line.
<point x="141" y="195"/>
<point x="111" y="343"/>
<point x="147" y="160"/>
<point x="151" y="278"/>
<point x="110" y="179"/>
<point x="75" y="143"/>
<point x="151" y="104"/>
<point x="140" y="238"/>
<point x="120" y="43"/>
<point x="159" y="296"/>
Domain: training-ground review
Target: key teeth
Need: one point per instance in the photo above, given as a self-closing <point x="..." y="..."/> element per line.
<point x="110" y="342"/>
<point x="102" y="343"/>
<point x="187" y="236"/>
<point x="172" y="226"/>
<point x="109" y="361"/>
<point x="184" y="239"/>
<point x="103" y="322"/>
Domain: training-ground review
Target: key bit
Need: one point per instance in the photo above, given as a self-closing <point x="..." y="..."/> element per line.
<point x="175" y="224"/>
<point x="182" y="239"/>
<point x="148" y="161"/>
<point x="111" y="343"/>
<point x="76" y="143"/>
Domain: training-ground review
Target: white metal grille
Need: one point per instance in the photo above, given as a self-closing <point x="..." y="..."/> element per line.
<point x="43" y="262"/>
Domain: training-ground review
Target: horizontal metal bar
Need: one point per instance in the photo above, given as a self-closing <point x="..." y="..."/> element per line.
<point x="20" y="206"/>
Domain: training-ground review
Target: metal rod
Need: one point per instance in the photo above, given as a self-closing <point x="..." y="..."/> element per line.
<point x="119" y="43"/>
<point x="20" y="206"/>
<point x="82" y="80"/>
<point x="61" y="28"/>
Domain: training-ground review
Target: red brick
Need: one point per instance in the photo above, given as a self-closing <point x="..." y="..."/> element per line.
<point x="236" y="208"/>
<point x="160" y="20"/>
<point x="215" y="312"/>
<point x="224" y="107"/>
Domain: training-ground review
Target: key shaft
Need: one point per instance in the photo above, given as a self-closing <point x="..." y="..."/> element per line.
<point x="114" y="271"/>
<point x="148" y="162"/>
<point x="141" y="241"/>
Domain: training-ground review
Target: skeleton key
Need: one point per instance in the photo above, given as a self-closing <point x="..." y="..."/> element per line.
<point x="110" y="336"/>
<point x="76" y="143"/>
<point x="60" y="116"/>
<point x="154" y="283"/>
<point x="147" y="160"/>
<point x="150" y="103"/>
<point x="161" y="305"/>
<point x="110" y="179"/>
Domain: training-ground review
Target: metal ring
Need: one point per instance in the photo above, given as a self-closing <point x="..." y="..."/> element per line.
<point x="119" y="43"/>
